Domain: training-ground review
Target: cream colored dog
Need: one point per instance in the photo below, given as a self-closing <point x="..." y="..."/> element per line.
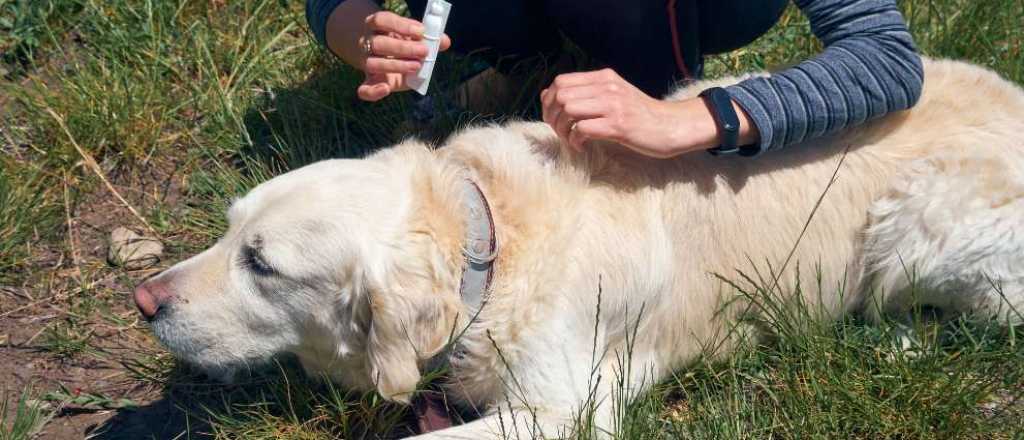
<point x="354" y="265"/>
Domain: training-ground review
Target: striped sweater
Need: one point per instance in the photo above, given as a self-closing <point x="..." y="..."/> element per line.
<point x="869" y="67"/>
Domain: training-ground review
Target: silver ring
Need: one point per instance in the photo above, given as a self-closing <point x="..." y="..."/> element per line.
<point x="368" y="46"/>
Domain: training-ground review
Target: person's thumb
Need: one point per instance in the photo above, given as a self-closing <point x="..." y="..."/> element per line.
<point x="377" y="86"/>
<point x="374" y="88"/>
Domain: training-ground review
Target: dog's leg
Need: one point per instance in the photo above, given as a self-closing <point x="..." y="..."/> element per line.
<point x="949" y="235"/>
<point x="564" y="382"/>
<point x="593" y="418"/>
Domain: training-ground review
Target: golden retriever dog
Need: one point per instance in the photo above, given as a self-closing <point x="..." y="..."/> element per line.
<point x="355" y="266"/>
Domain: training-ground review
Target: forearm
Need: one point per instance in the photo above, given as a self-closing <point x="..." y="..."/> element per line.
<point x="344" y="27"/>
<point x="869" y="68"/>
<point x="697" y="129"/>
<point x="602" y="105"/>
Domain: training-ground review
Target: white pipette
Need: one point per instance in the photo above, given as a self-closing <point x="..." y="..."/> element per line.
<point x="434" y="19"/>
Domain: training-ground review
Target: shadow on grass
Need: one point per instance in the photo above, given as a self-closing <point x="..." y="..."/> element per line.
<point x="274" y="401"/>
<point x="319" y="119"/>
<point x="322" y="118"/>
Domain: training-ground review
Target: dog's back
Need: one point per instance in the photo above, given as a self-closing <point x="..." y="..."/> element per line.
<point x="911" y="195"/>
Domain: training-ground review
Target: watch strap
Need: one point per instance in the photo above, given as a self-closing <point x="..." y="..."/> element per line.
<point x="720" y="102"/>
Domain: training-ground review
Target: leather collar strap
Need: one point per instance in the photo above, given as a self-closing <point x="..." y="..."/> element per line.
<point x="480" y="248"/>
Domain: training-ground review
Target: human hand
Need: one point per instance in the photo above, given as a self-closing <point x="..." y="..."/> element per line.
<point x="393" y="47"/>
<point x="601" y="105"/>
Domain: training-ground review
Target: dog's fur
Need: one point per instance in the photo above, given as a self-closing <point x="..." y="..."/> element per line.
<point x="354" y="265"/>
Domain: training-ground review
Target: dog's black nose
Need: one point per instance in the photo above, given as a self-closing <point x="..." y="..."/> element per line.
<point x="150" y="297"/>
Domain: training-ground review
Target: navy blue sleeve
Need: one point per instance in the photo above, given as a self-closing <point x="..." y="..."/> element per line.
<point x="869" y="67"/>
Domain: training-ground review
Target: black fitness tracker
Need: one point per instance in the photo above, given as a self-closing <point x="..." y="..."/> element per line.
<point x="728" y="123"/>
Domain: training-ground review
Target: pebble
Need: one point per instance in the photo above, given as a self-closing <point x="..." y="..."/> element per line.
<point x="133" y="251"/>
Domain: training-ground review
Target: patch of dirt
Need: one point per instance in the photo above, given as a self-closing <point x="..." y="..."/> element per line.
<point x="71" y="287"/>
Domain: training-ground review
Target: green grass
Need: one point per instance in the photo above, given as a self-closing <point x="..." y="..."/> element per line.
<point x="27" y="213"/>
<point x="26" y="419"/>
<point x="216" y="96"/>
<point x="66" y="340"/>
<point x="850" y="379"/>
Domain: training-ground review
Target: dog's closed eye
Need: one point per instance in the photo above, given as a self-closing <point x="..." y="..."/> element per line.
<point x="252" y="259"/>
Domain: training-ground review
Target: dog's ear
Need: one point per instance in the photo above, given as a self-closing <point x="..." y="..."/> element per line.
<point x="410" y="321"/>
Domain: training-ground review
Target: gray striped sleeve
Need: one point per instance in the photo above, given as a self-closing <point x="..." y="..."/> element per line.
<point x="869" y="67"/>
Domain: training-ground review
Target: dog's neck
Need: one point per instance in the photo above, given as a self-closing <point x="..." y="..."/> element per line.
<point x="454" y="211"/>
<point x="521" y="197"/>
<point x="479" y="250"/>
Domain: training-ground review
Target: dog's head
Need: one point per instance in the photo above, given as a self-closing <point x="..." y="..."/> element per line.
<point x="329" y="262"/>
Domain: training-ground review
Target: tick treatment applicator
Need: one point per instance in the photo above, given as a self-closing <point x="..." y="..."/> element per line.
<point x="434" y="19"/>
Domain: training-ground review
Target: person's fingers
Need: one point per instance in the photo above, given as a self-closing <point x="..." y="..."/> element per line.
<point x="388" y="46"/>
<point x="553" y="117"/>
<point x="576" y="112"/>
<point x="446" y="42"/>
<point x="577" y="139"/>
<point x="385" y="65"/>
<point x="575" y="79"/>
<point x="386" y="21"/>
<point x="562" y="125"/>
<point x="548" y="111"/>
<point x="377" y="86"/>
<point x="585" y="109"/>
<point x="373" y="91"/>
<point x="564" y="96"/>
<point x="396" y="81"/>
<point x="561" y="93"/>
<point x="547" y="98"/>
<point x="596" y="128"/>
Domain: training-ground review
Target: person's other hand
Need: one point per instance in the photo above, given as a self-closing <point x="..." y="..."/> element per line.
<point x="601" y="105"/>
<point x="396" y="49"/>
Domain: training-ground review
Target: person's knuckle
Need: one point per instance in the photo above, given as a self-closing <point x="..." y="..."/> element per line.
<point x="385" y="17"/>
<point x="374" y="20"/>
<point x="612" y="88"/>
<point x="617" y="123"/>
<point x="562" y="98"/>
<point x="388" y="66"/>
<point x="377" y="43"/>
<point x="417" y="49"/>
<point x="400" y="48"/>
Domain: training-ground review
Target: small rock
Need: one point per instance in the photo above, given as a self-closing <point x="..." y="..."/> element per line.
<point x="133" y="251"/>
